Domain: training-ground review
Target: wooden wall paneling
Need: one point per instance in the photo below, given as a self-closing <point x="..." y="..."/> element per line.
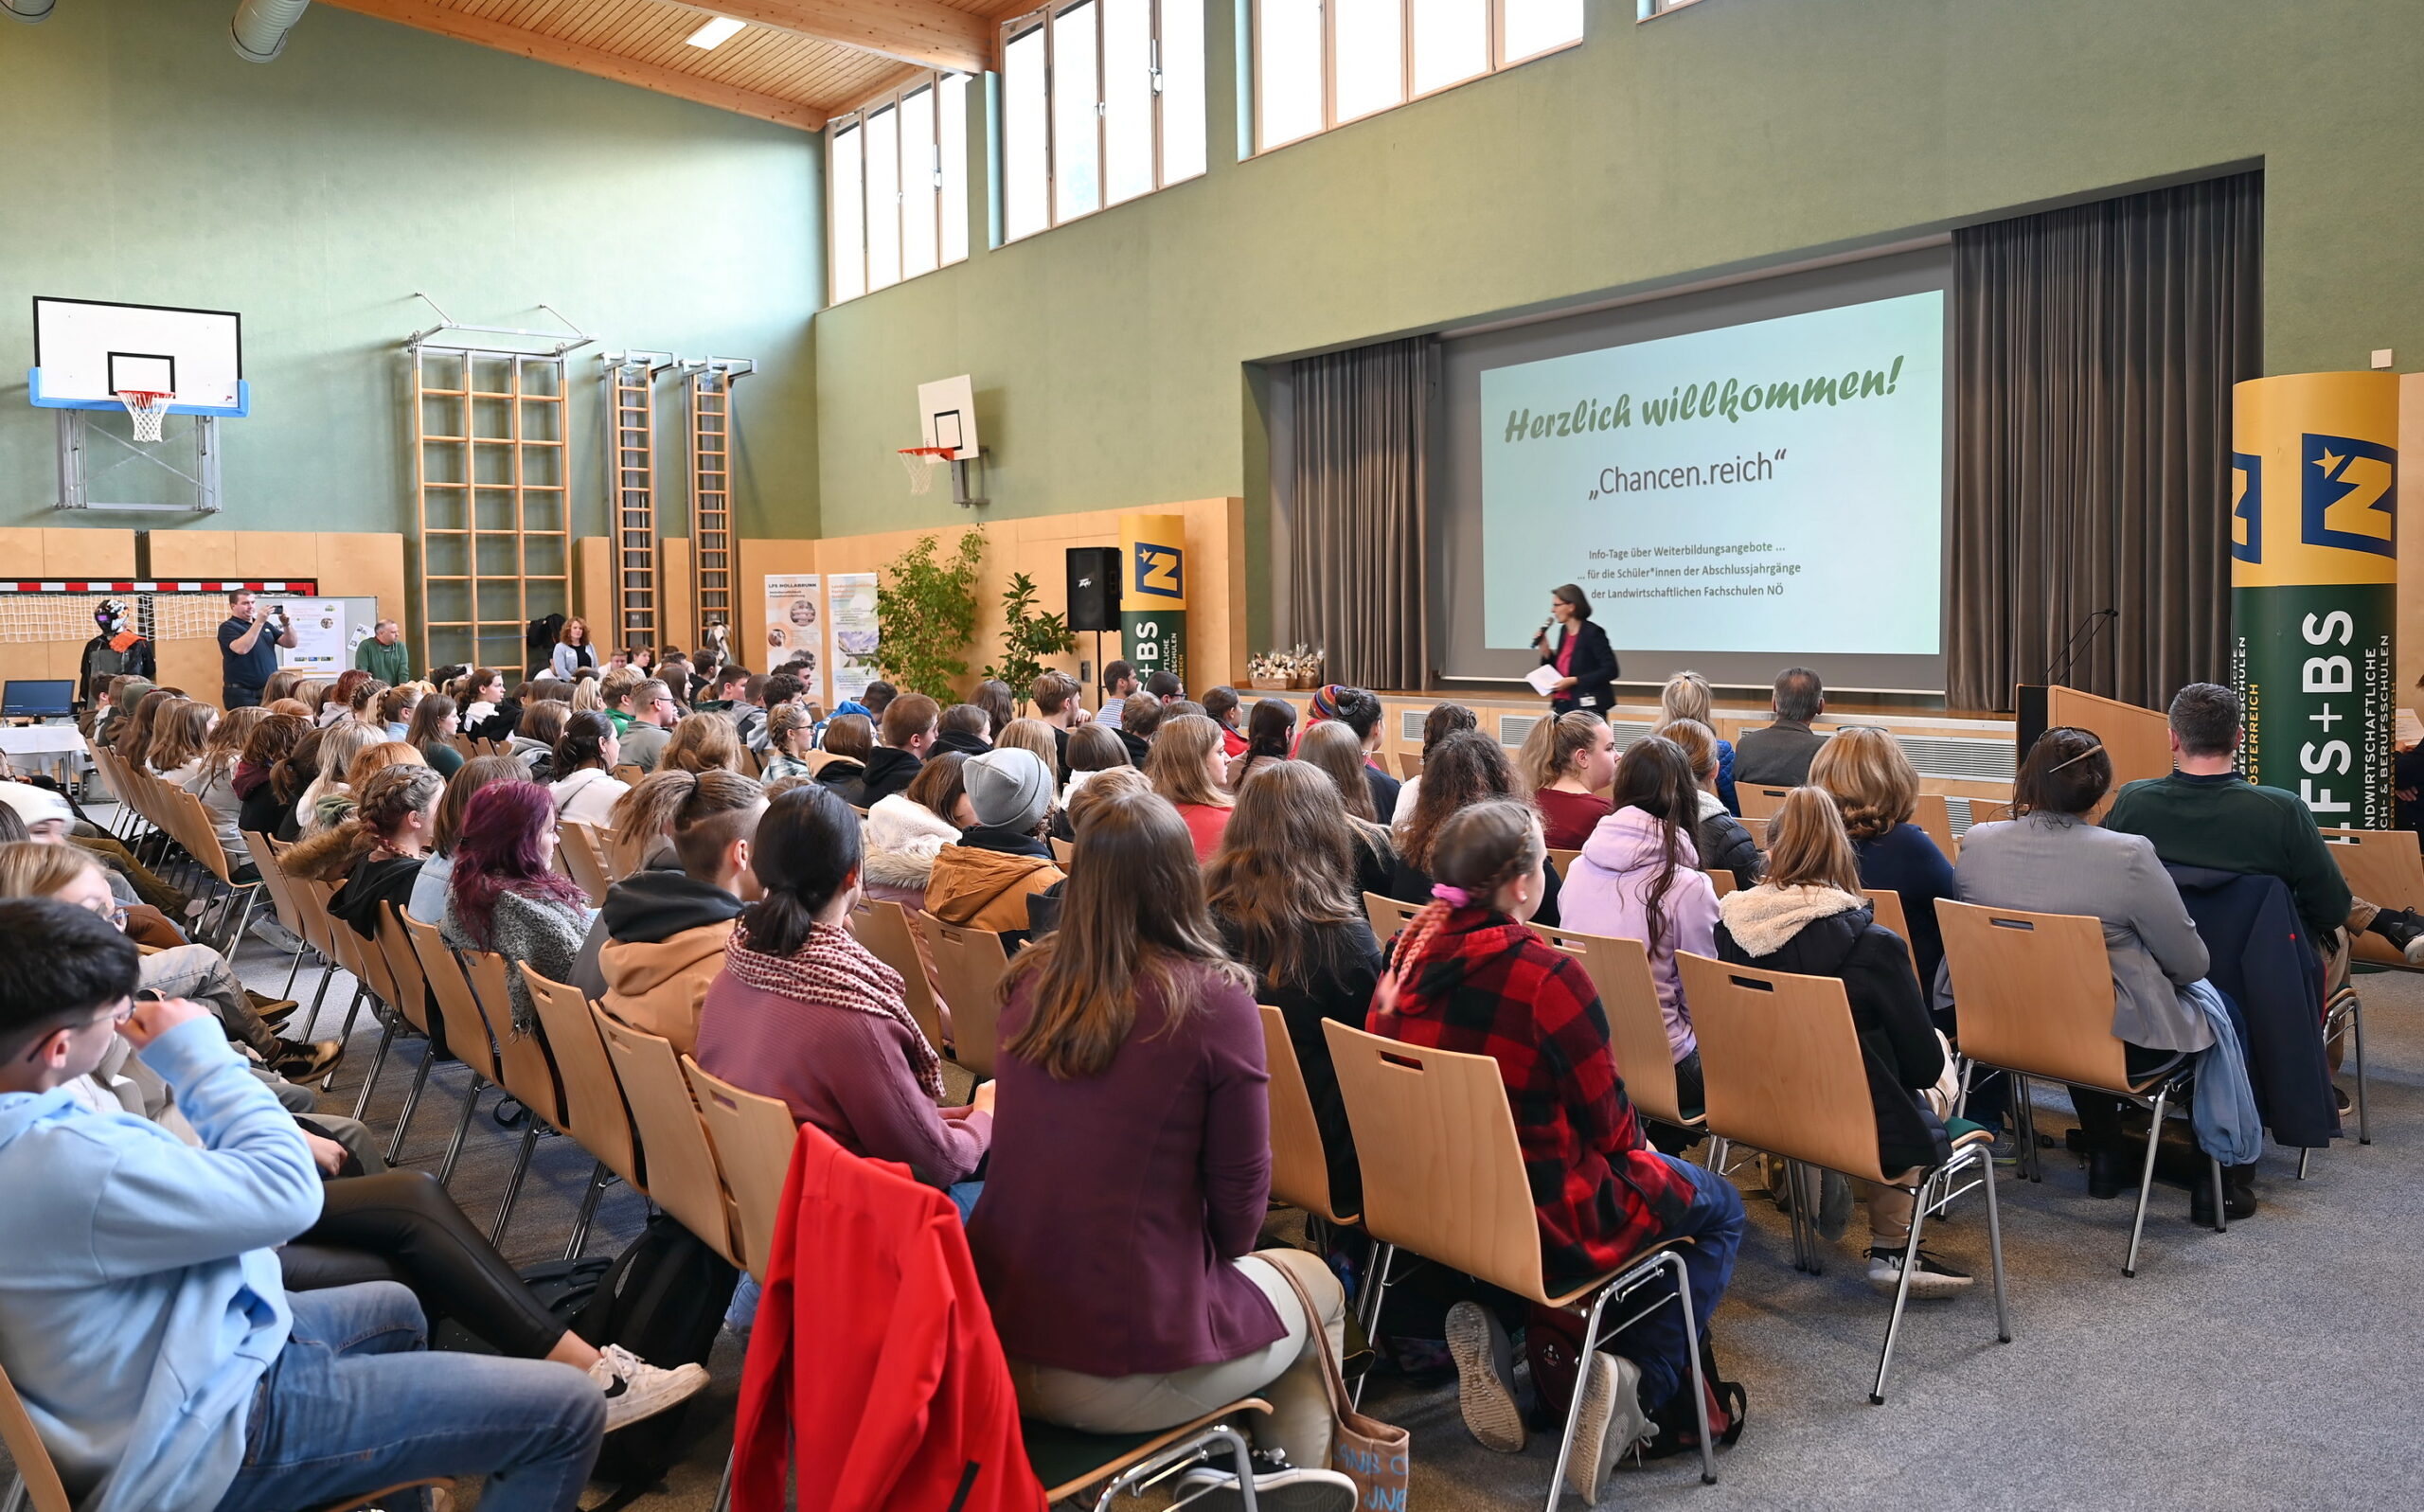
<point x="70" y="551"/>
<point x="677" y="594"/>
<point x="192" y="553"/>
<point x="594" y="589"/>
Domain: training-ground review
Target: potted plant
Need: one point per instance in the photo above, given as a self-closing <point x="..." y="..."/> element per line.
<point x="1028" y="637"/>
<point x="1300" y="666"/>
<point x="926" y="615"/>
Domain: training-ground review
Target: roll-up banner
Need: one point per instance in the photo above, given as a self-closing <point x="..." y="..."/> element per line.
<point x="1153" y="604"/>
<point x="2314" y="588"/>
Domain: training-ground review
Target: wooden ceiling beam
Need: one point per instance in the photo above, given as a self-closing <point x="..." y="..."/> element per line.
<point x="914" y="31"/>
<point x="427" y="15"/>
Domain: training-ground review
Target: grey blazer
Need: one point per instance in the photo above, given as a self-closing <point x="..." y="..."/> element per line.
<point x="2047" y="864"/>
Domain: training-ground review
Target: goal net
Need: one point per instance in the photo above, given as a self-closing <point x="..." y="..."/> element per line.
<point x="163" y="611"/>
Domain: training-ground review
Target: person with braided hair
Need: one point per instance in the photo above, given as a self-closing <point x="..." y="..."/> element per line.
<point x="1469" y="975"/>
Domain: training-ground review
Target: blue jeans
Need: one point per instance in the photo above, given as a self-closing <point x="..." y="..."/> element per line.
<point x="1714" y="1224"/>
<point x="355" y="1402"/>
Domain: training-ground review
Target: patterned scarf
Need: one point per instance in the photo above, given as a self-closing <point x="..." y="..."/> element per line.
<point x="835" y="971"/>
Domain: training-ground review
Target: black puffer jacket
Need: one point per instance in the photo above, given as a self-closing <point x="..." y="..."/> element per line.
<point x="1723" y="845"/>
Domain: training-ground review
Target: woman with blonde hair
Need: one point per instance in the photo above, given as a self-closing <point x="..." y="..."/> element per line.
<point x="1722" y="843"/>
<point x="179" y="732"/>
<point x="791" y="735"/>
<point x="1809" y="919"/>
<point x="1565" y="761"/>
<point x="135" y="741"/>
<point x="1186" y="765"/>
<point x="1877" y="789"/>
<point x="704" y="743"/>
<point x="1687" y="697"/>
<point x="213" y="777"/>
<point x="336" y="801"/>
<point x="587" y="697"/>
<point x="1030" y="734"/>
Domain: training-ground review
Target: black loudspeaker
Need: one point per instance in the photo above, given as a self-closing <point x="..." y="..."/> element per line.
<point x="1094" y="588"/>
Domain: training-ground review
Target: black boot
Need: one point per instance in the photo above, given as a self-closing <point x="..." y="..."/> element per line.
<point x="2403" y="928"/>
<point x="2107" y="1172"/>
<point x="2238" y="1196"/>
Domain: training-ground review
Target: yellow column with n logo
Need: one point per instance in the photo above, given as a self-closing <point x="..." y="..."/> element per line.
<point x="2314" y="588"/>
<point x="1153" y="598"/>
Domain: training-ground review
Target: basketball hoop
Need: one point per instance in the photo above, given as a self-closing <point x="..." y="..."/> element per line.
<point x="147" y="409"/>
<point x="920" y="462"/>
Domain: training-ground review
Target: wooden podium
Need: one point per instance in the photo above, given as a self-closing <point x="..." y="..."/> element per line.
<point x="2138" y="740"/>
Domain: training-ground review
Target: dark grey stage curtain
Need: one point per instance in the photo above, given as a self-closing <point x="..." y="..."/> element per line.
<point x="2094" y="351"/>
<point x="1363" y="447"/>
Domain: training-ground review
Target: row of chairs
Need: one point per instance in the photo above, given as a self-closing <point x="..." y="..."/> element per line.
<point x="163" y="823"/>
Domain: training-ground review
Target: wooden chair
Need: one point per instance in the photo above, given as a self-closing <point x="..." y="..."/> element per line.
<point x="1619" y="970"/>
<point x="2036" y="996"/>
<point x="594" y="1114"/>
<point x="884" y="929"/>
<point x="1061" y="851"/>
<point x="349" y="950"/>
<point x="1935" y="817"/>
<point x="583" y="853"/>
<point x="751" y="1137"/>
<point x="1784" y="1073"/>
<point x="1299" y="1161"/>
<point x="281" y="901"/>
<point x="409" y="1006"/>
<point x="1888" y="905"/>
<point x="1994" y="811"/>
<point x="1561" y="862"/>
<point x="1759" y="801"/>
<point x="1068" y="1462"/>
<point x="627" y="773"/>
<point x="969" y="964"/>
<point x="1388" y="916"/>
<point x="1720" y="878"/>
<point x="1444" y="1177"/>
<point x="682" y="1175"/>
<point x="467" y="1031"/>
<point x="39" y="1477"/>
<point x="1757" y="830"/>
<point x="2381" y="866"/>
<point x="1409" y="765"/>
<point x="525" y="1069"/>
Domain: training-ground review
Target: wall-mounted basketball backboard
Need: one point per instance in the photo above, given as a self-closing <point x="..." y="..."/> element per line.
<point x="946" y="416"/>
<point x="89" y="351"/>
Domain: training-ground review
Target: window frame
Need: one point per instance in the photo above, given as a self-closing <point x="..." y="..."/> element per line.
<point x="856" y="119"/>
<point x="1041" y="20"/>
<point x="1498" y="62"/>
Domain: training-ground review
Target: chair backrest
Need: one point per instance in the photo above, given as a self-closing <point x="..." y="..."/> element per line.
<point x="1935" y="817"/>
<point x="1388" y="916"/>
<point x="403" y="964"/>
<point x="1757" y="830"/>
<point x="1563" y="863"/>
<point x="627" y="773"/>
<point x="882" y="927"/>
<point x="1443" y="1173"/>
<point x="337" y="936"/>
<point x="1720" y="878"/>
<point x="1299" y="1161"/>
<point x="682" y="1174"/>
<point x="1619" y="970"/>
<point x="1888" y="904"/>
<point x="467" y="1028"/>
<point x="32" y="1457"/>
<point x="281" y="901"/>
<point x="1782" y="1065"/>
<point x="1994" y="811"/>
<point x="584" y="857"/>
<point x="751" y="1137"/>
<point x="2035" y="990"/>
<point x="1758" y="800"/>
<point x="1409" y="765"/>
<point x="2380" y="867"/>
<point x="199" y="836"/>
<point x="969" y="964"/>
<point x="524" y="1067"/>
<point x="595" y="1113"/>
<point x="1061" y="851"/>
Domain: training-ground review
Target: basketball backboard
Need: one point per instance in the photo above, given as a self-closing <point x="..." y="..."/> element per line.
<point x="946" y="416"/>
<point x="87" y="351"/>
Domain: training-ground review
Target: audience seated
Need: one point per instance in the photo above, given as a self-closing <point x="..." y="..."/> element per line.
<point x="533" y="742"/>
<point x="1442" y="721"/>
<point x="389" y="831"/>
<point x="704" y="743"/>
<point x="772" y="692"/>
<point x="1467" y="975"/>
<point x="1877" y="790"/>
<point x="652" y="712"/>
<point x="337" y="803"/>
<point x="789" y="738"/>
<point x="1567" y="761"/>
<point x="585" y="788"/>
<point x="434" y="724"/>
<point x="395" y="706"/>
<point x="1465" y="768"/>
<point x="1119" y="683"/>
<point x="1221" y="706"/>
<point x="326" y="798"/>
<point x="1339" y="757"/>
<point x="1687" y="697"/>
<point x="1778" y="754"/>
<point x="142" y="1313"/>
<point x="1116" y="1241"/>
<point x="848" y="742"/>
<point x="999" y="702"/>
<point x="428" y="900"/>
<point x="212" y="779"/>
<point x="909" y="734"/>
<point x="275" y="736"/>
<point x="614" y="693"/>
<point x="1282" y="894"/>
<point x="1271" y="735"/>
<point x="504" y="897"/>
<point x="1720" y="837"/>
<point x="1809" y="918"/>
<point x="906" y="831"/>
<point x="1639" y="877"/>
<point x="1186" y="767"/>
<point x="1360" y="711"/>
<point x="964" y="728"/>
<point x="983" y="882"/>
<point x="179" y="732"/>
<point x="1055" y="697"/>
<point x="364" y="702"/>
<point x="1140" y="715"/>
<point x="804" y="1013"/>
<point x="1030" y="734"/>
<point x="488" y="713"/>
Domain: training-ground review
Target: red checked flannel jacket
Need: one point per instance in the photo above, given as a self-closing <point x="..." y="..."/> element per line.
<point x="1484" y="985"/>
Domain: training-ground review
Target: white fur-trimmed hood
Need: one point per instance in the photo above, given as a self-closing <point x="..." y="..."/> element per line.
<point x="1763" y="920"/>
<point x="903" y="839"/>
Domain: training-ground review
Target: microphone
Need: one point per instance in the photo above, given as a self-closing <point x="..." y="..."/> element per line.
<point x="1541" y="641"/>
<point x="2075" y="648"/>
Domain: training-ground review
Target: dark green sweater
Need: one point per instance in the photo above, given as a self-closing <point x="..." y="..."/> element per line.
<point x="2229" y="824"/>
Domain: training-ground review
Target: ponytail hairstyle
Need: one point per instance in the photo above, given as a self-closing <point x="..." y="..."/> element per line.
<point x="2067" y="772"/>
<point x="365" y="699"/>
<point x="702" y="813"/>
<point x="1479" y="848"/>
<point x="469" y="778"/>
<point x="1686" y="697"/>
<point x="1444" y="721"/>
<point x="1549" y="751"/>
<point x="1271" y="729"/>
<point x="501" y="850"/>
<point x="348" y="684"/>
<point x="1656" y="777"/>
<point x="785" y="720"/>
<point x="397" y="705"/>
<point x="1807" y="846"/>
<point x="586" y="696"/>
<point x="377" y="757"/>
<point x="1465" y="768"/>
<point x="179" y="731"/>
<point x="296" y="768"/>
<point x="807" y="851"/>
<point x="226" y="746"/>
<point x="339" y="744"/>
<point x="429" y="721"/>
<point x="583" y="742"/>
<point x="393" y="794"/>
<point x="1697" y="742"/>
<point x="703" y="742"/>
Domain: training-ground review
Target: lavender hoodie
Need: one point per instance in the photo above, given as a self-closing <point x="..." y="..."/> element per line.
<point x="1608" y="894"/>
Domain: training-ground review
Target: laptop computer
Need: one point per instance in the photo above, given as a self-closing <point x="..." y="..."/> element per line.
<point x="38" y="698"/>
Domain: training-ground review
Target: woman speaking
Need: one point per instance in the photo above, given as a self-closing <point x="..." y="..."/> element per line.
<point x="1586" y="668"/>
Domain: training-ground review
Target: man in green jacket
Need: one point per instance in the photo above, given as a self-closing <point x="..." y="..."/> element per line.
<point x="2207" y="814"/>
<point x="383" y="655"/>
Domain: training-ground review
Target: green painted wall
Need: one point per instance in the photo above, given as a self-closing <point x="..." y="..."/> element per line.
<point x="145" y="162"/>
<point x="1733" y="134"/>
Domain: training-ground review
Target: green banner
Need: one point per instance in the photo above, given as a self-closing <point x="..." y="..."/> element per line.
<point x="2314" y="664"/>
<point x="1152" y="599"/>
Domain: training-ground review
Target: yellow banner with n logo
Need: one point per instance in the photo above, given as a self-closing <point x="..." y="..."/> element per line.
<point x="1152" y="599"/>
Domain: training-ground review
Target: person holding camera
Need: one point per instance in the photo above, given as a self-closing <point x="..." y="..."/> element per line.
<point x="248" y="644"/>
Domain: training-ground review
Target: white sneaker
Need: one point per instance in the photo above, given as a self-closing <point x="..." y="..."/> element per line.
<point x="1205" y="1490"/>
<point x="635" y="1389"/>
<point x="1611" y="1422"/>
<point x="1486" y="1378"/>
<point x="1931" y="1277"/>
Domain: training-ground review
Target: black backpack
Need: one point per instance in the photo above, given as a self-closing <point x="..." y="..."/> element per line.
<point x="663" y="1299"/>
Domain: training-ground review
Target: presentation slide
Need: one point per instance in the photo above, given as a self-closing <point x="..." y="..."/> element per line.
<point x="1771" y="486"/>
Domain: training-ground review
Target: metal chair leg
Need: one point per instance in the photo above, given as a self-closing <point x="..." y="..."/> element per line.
<point x="2357" y="1037"/>
<point x="2023" y="1106"/>
<point x="2221" y="1220"/>
<point x="311" y="1019"/>
<point x="2304" y="1155"/>
<point x="1376" y="1289"/>
<point x="361" y="990"/>
<point x="1582" y="1374"/>
<point x="1995" y="1248"/>
<point x="462" y="1127"/>
<point x="2145" y="1182"/>
<point x="378" y="1063"/>
<point x="598" y="1180"/>
<point x="723" y="1488"/>
<point x="294" y="970"/>
<point x="513" y="1183"/>
<point x="412" y="1100"/>
<point x="1901" y="1292"/>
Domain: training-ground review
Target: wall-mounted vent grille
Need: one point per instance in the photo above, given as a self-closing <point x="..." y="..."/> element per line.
<point x="1512" y="728"/>
<point x="1957" y="756"/>
<point x="1410" y="725"/>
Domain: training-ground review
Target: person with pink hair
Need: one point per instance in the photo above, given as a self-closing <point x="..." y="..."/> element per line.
<point x="505" y="896"/>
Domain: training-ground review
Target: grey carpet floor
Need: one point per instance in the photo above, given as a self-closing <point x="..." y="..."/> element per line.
<point x="2270" y="1367"/>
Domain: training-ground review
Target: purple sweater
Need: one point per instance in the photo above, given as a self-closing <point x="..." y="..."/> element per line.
<point x="847" y="1071"/>
<point x="1115" y="1203"/>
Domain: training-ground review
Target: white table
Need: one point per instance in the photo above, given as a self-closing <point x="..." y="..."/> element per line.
<point x="46" y="746"/>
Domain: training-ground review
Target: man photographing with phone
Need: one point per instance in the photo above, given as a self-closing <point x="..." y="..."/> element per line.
<point x="248" y="644"/>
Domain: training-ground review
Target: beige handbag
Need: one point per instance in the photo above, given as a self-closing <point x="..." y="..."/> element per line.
<point x="1377" y="1456"/>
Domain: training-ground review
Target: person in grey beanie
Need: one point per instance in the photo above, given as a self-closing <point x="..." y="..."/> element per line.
<point x="983" y="880"/>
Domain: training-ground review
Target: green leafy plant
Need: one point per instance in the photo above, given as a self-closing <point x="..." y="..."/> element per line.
<point x="1028" y="637"/>
<point x="926" y="615"/>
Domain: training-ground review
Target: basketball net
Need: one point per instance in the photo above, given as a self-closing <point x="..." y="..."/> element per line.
<point x="147" y="409"/>
<point x="922" y="463"/>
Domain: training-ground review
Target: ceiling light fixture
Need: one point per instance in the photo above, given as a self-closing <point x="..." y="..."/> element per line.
<point x="715" y="33"/>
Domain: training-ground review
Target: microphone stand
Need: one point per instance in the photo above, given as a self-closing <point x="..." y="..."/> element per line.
<point x="2075" y="648"/>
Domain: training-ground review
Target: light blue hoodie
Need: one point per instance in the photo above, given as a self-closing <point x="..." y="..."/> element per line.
<point x="139" y="1292"/>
